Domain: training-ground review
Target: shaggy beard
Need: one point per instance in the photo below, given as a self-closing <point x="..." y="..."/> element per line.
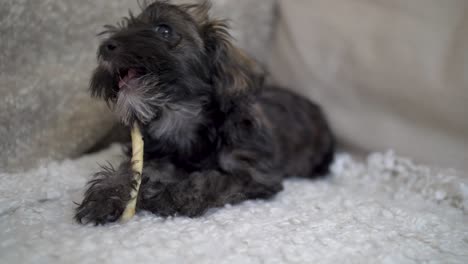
<point x="139" y="102"/>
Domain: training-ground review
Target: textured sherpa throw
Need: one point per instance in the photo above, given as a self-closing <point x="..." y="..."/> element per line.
<point x="384" y="210"/>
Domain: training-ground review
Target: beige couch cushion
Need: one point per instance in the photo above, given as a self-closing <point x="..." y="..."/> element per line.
<point x="389" y="73"/>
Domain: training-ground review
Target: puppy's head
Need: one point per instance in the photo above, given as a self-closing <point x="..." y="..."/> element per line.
<point x="168" y="55"/>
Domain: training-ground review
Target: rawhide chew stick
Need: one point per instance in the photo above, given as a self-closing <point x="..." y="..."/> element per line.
<point x="137" y="167"/>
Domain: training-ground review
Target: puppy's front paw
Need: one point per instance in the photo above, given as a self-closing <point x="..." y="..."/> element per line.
<point x="105" y="200"/>
<point x="99" y="209"/>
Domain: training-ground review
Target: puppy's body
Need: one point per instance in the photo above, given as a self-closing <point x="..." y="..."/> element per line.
<point x="213" y="133"/>
<point x="304" y="142"/>
<point x="280" y="125"/>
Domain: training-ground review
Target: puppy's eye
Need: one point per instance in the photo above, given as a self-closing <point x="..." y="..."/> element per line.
<point x="164" y="31"/>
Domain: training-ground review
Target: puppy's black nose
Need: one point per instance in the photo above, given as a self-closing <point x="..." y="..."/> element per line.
<point x="109" y="48"/>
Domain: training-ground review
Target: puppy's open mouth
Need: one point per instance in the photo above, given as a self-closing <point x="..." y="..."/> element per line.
<point x="128" y="78"/>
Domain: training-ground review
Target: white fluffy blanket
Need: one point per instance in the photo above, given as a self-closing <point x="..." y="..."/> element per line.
<point x="384" y="210"/>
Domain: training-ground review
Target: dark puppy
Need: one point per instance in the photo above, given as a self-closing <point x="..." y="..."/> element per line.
<point x="214" y="135"/>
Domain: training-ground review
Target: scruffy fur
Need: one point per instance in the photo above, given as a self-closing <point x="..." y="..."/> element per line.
<point x="213" y="133"/>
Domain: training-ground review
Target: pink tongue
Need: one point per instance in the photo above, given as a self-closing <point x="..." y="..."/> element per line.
<point x="126" y="79"/>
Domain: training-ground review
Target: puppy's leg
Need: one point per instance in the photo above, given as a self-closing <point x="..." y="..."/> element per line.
<point x="107" y="195"/>
<point x="193" y="194"/>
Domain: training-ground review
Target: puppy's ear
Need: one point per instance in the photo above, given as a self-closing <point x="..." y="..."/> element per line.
<point x="234" y="75"/>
